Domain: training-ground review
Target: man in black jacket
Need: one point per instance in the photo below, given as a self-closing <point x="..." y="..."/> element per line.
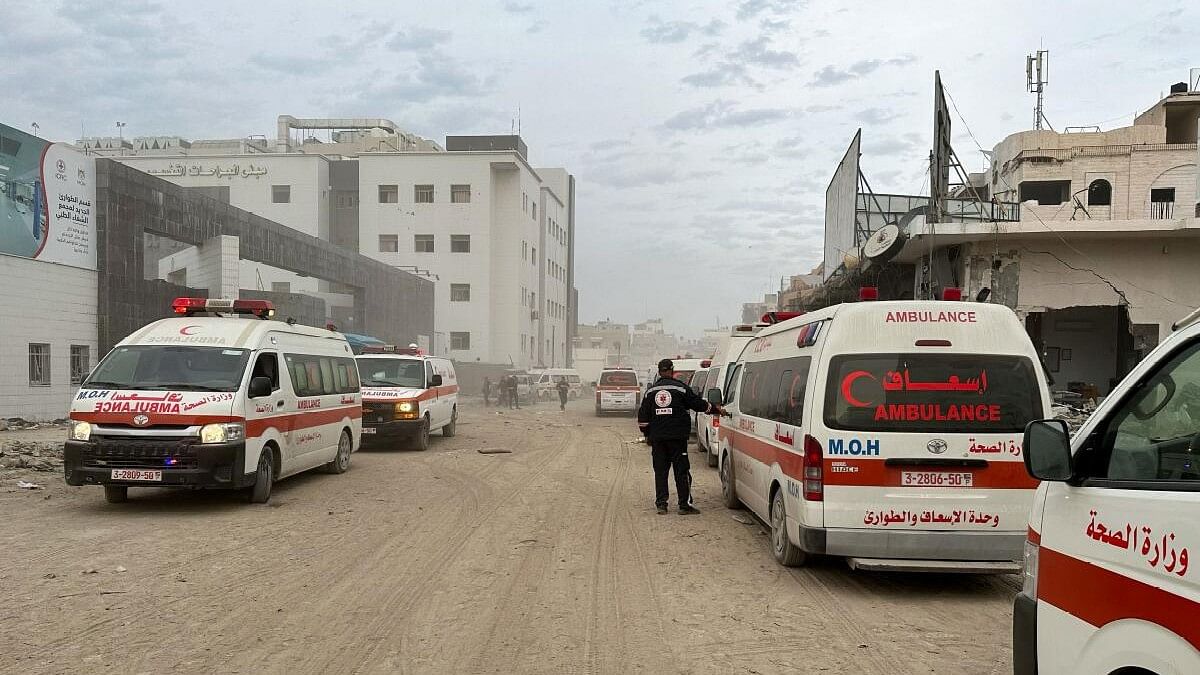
<point x="663" y="418"/>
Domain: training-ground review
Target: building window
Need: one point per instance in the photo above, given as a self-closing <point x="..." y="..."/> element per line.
<point x="81" y="363"/>
<point x="423" y="194"/>
<point x="1100" y="193"/>
<point x="460" y="243"/>
<point x="281" y="287"/>
<point x="389" y="194"/>
<point x="533" y="257"/>
<point x="459" y="194"/>
<point x="423" y="243"/>
<point x="1162" y="203"/>
<point x="389" y="243"/>
<point x="39" y="364"/>
<point x="281" y="194"/>
<point x="534" y="210"/>
<point x="460" y="340"/>
<point x="460" y="292"/>
<point x="524" y="250"/>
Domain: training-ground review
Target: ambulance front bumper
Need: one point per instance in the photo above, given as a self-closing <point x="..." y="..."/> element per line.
<point x="182" y="462"/>
<point x="917" y="546"/>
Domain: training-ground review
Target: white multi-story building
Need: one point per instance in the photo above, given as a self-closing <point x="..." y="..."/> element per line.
<point x="496" y="234"/>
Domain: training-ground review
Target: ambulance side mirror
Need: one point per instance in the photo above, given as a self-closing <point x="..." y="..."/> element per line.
<point x="259" y="387"/>
<point x="714" y="397"/>
<point x="1047" y="447"/>
<point x="435" y="381"/>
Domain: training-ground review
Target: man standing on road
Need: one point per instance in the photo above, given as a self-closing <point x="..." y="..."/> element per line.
<point x="663" y="418"/>
<point x="563" y="390"/>
<point x="487" y="392"/>
<point x="514" y="396"/>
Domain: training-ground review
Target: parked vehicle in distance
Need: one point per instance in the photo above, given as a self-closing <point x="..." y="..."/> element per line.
<point x="697" y="382"/>
<point x="887" y="433"/>
<point x="215" y="401"/>
<point x="407" y="395"/>
<point x="729" y="349"/>
<point x="547" y="383"/>
<point x="618" y="390"/>
<point x="1108" y="586"/>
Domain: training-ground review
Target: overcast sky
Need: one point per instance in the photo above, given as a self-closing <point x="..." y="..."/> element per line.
<point x="702" y="135"/>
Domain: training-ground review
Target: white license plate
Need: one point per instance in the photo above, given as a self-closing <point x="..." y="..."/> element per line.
<point x="368" y="430"/>
<point x="136" y="474"/>
<point x="937" y="479"/>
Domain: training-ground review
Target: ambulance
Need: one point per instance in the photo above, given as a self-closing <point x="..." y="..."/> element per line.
<point x="887" y="433"/>
<point x="618" y="390"/>
<point x="729" y="349"/>
<point x="1108" y="583"/>
<point x="406" y="395"/>
<point x="219" y="396"/>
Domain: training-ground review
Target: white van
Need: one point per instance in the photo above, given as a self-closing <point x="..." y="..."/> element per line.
<point x="729" y="349"/>
<point x="888" y="433"/>
<point x="618" y="390"/>
<point x="407" y="395"/>
<point x="1108" y="581"/>
<point x="547" y="383"/>
<point x="215" y="401"/>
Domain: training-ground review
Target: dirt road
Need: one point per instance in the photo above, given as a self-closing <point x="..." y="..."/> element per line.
<point x="550" y="559"/>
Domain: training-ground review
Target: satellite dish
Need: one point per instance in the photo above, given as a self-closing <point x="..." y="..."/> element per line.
<point x="884" y="244"/>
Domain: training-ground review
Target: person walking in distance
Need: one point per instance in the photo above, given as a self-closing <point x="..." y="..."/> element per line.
<point x="487" y="392"/>
<point x="563" y="390"/>
<point x="663" y="418"/>
<point x="514" y="396"/>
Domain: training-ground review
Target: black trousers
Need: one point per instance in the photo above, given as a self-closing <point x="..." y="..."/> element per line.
<point x="562" y="400"/>
<point x="667" y="456"/>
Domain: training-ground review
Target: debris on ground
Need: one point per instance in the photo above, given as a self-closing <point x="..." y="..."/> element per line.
<point x="39" y="456"/>
<point x="494" y="451"/>
<point x="26" y="485"/>
<point x="743" y="520"/>
<point x="1072" y="409"/>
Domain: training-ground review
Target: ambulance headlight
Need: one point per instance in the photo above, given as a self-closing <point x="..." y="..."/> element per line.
<point x="1029" y="575"/>
<point x="81" y="431"/>
<point x="221" y="433"/>
<point x="406" y="407"/>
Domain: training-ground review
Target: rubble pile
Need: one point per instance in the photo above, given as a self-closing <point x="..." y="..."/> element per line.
<point x="38" y="456"/>
<point x="21" y="424"/>
<point x="1071" y="408"/>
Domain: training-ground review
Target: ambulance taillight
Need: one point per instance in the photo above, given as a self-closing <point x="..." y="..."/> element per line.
<point x="952" y="294"/>
<point x="868" y="293"/>
<point x="814" y="474"/>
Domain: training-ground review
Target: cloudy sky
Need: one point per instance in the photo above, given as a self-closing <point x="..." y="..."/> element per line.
<point x="702" y="135"/>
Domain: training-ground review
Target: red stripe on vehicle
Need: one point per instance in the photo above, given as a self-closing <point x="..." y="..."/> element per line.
<point x="298" y="421"/>
<point x="1034" y="537"/>
<point x="1100" y="596"/>
<point x="874" y="472"/>
<point x="156" y="419"/>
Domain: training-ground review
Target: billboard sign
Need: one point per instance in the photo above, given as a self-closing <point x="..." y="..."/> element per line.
<point x="47" y="200"/>
<point x="841" y="200"/>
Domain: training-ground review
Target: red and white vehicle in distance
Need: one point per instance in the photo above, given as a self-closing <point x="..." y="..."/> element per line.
<point x="887" y="433"/>
<point x="1115" y="527"/>
<point x="729" y="349"/>
<point x="218" y="397"/>
<point x="407" y="395"/>
<point x="618" y="390"/>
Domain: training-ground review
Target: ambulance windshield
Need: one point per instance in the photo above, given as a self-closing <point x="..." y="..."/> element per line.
<point x="386" y="372"/>
<point x="942" y="393"/>
<point x="173" y="368"/>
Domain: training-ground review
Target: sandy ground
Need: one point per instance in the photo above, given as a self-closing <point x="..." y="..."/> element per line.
<point x="550" y="559"/>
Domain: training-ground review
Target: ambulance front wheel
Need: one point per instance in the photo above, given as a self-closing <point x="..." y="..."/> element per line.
<point x="728" y="488"/>
<point x="420" y="440"/>
<point x="264" y="477"/>
<point x="116" y="494"/>
<point x="452" y="427"/>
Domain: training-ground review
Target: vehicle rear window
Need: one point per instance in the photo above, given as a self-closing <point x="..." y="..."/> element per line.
<point x="697" y="381"/>
<point x="618" y="378"/>
<point x="932" y="392"/>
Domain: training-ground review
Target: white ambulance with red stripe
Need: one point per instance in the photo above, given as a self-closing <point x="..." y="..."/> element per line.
<point x="406" y="395"/>
<point x="618" y="390"/>
<point x="220" y="396"/>
<point x="1115" y="527"/>
<point x="888" y="433"/>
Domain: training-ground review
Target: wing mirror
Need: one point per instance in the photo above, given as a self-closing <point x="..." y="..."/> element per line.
<point x="1047" y="448"/>
<point x="435" y="381"/>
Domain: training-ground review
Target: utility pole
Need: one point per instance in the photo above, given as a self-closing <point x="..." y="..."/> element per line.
<point x="1037" y="70"/>
<point x="121" y="138"/>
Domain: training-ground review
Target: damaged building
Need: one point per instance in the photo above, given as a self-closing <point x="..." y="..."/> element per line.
<point x="1090" y="236"/>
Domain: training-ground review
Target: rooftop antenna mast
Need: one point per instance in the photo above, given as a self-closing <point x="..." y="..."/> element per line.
<point x="1037" y="70"/>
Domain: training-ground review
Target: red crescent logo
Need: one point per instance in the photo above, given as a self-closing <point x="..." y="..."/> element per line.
<point x="848" y="382"/>
<point x="185" y="330"/>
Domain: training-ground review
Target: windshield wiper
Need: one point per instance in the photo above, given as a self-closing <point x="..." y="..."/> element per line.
<point x="97" y="384"/>
<point x="183" y="386"/>
<point x="386" y="383"/>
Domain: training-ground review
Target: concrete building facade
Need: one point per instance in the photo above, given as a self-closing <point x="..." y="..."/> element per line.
<point x="494" y="234"/>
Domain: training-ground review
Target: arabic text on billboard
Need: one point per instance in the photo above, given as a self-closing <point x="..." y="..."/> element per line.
<point x="47" y="200"/>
